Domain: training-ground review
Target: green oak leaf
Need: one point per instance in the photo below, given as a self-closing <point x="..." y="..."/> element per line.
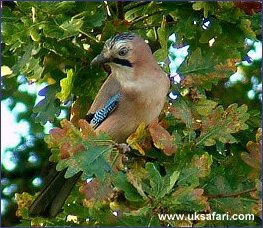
<point x="195" y="62"/>
<point x="122" y="183"/>
<point x="48" y="108"/>
<point x="159" y="186"/>
<point x="91" y="160"/>
<point x="208" y="7"/>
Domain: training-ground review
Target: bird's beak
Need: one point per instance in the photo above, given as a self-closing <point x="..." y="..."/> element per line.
<point x="99" y="60"/>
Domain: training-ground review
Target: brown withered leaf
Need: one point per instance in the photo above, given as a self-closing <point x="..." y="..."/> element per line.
<point x="162" y="138"/>
<point x="181" y="110"/>
<point x="249" y="7"/>
<point x="256" y="208"/>
<point x="57" y="135"/>
<point x="68" y="139"/>
<point x="95" y="191"/>
<point x="68" y="149"/>
<point x="86" y="129"/>
<point x="252" y="158"/>
<point x="256" y="194"/>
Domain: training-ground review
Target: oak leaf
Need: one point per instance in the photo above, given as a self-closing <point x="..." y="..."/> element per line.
<point x="162" y="138"/>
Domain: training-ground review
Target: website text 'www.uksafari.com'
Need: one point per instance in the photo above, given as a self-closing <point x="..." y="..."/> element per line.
<point x="212" y="216"/>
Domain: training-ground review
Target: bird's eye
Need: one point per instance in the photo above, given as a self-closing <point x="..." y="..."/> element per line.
<point x="123" y="51"/>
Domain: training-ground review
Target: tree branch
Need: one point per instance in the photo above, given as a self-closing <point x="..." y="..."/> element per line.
<point x="120" y="11"/>
<point x="224" y="195"/>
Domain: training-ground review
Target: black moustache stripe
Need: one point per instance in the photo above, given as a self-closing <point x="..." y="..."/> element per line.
<point x="123" y="62"/>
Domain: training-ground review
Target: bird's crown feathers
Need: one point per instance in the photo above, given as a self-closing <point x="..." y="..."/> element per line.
<point x="125" y="36"/>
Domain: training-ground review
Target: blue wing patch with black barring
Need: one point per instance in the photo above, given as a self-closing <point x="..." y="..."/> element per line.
<point x="106" y="110"/>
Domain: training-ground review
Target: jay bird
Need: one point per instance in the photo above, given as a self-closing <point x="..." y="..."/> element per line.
<point x="134" y="92"/>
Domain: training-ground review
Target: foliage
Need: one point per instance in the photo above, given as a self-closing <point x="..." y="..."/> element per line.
<point x="204" y="153"/>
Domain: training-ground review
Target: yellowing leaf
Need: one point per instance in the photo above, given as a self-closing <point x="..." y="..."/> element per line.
<point x="204" y="107"/>
<point x="66" y="85"/>
<point x="23" y="200"/>
<point x="202" y="164"/>
<point x="5" y="70"/>
<point x="138" y="138"/>
<point x="219" y="125"/>
<point x="35" y="36"/>
<point x="188" y="196"/>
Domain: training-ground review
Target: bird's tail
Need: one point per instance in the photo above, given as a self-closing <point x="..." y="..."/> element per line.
<point x="51" y="199"/>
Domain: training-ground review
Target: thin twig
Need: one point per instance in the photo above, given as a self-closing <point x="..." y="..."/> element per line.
<point x="156" y="25"/>
<point x="145" y="17"/>
<point x="89" y="36"/>
<point x="114" y="160"/>
<point x="225" y="195"/>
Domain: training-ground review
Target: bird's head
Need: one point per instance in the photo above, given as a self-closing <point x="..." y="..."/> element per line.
<point x="123" y="50"/>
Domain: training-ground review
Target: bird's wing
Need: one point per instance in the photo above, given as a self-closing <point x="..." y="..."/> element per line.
<point x="109" y="88"/>
<point x="105" y="102"/>
<point x="101" y="114"/>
